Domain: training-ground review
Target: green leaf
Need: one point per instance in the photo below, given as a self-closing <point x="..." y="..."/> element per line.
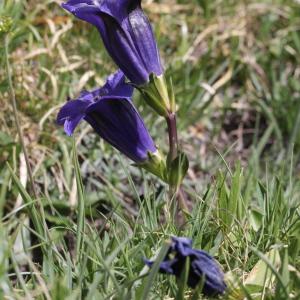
<point x="148" y="284"/>
<point x="81" y="201"/>
<point x="262" y="276"/>
<point x="285" y="275"/>
<point x="256" y="218"/>
<point x="235" y="205"/>
<point x="182" y="281"/>
<point x="5" y="139"/>
<point x="223" y="199"/>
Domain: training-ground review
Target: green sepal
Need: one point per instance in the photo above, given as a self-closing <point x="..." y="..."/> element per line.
<point x="5" y="25"/>
<point x="178" y="169"/>
<point x="157" y="95"/>
<point x="156" y="165"/>
<point x="172" y="96"/>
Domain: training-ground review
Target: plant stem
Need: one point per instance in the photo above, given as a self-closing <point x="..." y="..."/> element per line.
<point x="173" y="144"/>
<point x="15" y="112"/>
<point x="173" y="136"/>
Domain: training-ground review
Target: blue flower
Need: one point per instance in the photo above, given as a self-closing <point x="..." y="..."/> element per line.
<point x="202" y="266"/>
<point x="110" y="111"/>
<point x="126" y="34"/>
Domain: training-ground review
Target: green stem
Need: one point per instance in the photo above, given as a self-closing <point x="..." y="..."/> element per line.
<point x="173" y="136"/>
<point x="173" y="152"/>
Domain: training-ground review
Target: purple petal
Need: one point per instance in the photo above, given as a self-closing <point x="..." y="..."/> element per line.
<point x="70" y="125"/>
<point x="110" y="111"/>
<point x="205" y="265"/>
<point x="90" y="11"/>
<point x="71" y="114"/>
<point x="166" y="266"/>
<point x="202" y="266"/>
<point x="126" y="34"/>
<point x="119" y="9"/>
<point x="144" y="40"/>
<point x="122" y="49"/>
<point x="117" y="121"/>
<point x="116" y="85"/>
<point x="84" y="10"/>
<point x="182" y="245"/>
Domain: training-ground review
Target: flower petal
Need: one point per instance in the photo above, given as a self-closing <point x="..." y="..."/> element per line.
<point x="89" y="11"/>
<point x="117" y="121"/>
<point x="144" y="40"/>
<point x="70" y="125"/>
<point x="126" y="33"/>
<point x="172" y="267"/>
<point x="205" y="265"/>
<point x="84" y="10"/>
<point x="122" y="49"/>
<point x="115" y="85"/>
<point x="71" y="114"/>
<point x="202" y="266"/>
<point x="118" y="9"/>
<point x="182" y="245"/>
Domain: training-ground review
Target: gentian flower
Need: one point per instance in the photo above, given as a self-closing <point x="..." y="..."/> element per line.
<point x="202" y="266"/>
<point x="111" y="113"/>
<point x="126" y="34"/>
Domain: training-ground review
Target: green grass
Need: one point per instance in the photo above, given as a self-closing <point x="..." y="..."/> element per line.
<point x="235" y="71"/>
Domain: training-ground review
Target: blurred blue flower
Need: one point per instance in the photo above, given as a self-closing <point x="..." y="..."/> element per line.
<point x="126" y="34"/>
<point x="110" y="111"/>
<point x="202" y="266"/>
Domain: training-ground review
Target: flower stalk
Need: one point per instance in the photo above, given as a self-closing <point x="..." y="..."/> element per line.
<point x="173" y="136"/>
<point x="175" y="190"/>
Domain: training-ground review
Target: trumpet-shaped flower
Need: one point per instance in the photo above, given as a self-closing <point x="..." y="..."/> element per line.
<point x="111" y="113"/>
<point x="202" y="269"/>
<point x="126" y="34"/>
